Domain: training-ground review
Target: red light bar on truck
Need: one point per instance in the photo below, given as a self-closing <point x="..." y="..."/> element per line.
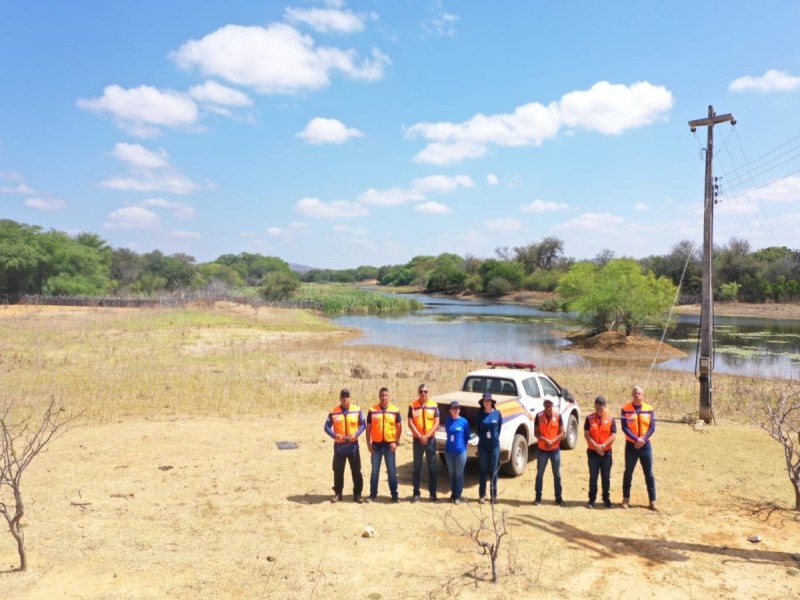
<point x="511" y="365"/>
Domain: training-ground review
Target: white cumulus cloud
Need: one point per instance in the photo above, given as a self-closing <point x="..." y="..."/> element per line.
<point x="591" y="222"/>
<point x="138" y="156"/>
<point x="492" y="179"/>
<point x="328" y="131"/>
<point x="641" y="206"/>
<point x="143" y="110"/>
<point x="771" y="81"/>
<point x="606" y="108"/>
<point x="215" y="94"/>
<point x="149" y="172"/>
<point x="326" y="20"/>
<point x="313" y="207"/>
<point x="276" y="59"/>
<point x="133" y="217"/>
<point x="433" y="208"/>
<point x="442" y="184"/>
<point x="390" y="197"/>
<point x="179" y="210"/>
<point x="542" y="206"/>
<point x="46" y="204"/>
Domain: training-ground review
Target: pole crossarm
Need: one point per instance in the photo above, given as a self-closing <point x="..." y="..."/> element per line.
<point x="712" y="120"/>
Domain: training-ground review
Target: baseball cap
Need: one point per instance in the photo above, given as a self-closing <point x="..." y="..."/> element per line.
<point x="548" y="401"/>
<point x="345" y="393"/>
<point x="455" y="404"/>
<point x="600" y="400"/>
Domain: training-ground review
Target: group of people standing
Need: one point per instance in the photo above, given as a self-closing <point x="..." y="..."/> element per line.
<point x="383" y="426"/>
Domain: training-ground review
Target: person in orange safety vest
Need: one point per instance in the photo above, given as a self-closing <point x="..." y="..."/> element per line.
<point x="383" y="437"/>
<point x="548" y="428"/>
<point x="638" y="424"/>
<point x="600" y="431"/>
<point x="423" y="421"/>
<point x="344" y="424"/>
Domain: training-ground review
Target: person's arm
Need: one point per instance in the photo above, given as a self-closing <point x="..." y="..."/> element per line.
<point x="652" y="429"/>
<point x="625" y="429"/>
<point x="361" y="426"/>
<point x="411" y="425"/>
<point x="536" y="428"/>
<point x="399" y="429"/>
<point x="560" y="435"/>
<point x="467" y="432"/>
<point x="368" y="429"/>
<point x="435" y="425"/>
<point x="329" y="426"/>
<point x="588" y="436"/>
<point x="613" y="436"/>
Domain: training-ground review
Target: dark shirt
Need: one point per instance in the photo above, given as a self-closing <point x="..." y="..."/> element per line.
<point x="488" y="426"/>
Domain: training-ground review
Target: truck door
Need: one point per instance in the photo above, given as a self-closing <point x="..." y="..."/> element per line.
<point x="550" y="392"/>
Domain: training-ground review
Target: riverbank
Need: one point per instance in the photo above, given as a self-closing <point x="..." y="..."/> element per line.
<point x="175" y="486"/>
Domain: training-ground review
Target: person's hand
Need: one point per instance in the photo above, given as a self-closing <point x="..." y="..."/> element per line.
<point x="339" y="438"/>
<point x="370" y="448"/>
<point x="639" y="443"/>
<point x="393" y="447"/>
<point x="423" y="439"/>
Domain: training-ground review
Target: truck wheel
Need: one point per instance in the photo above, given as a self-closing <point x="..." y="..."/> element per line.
<point x="571" y="435"/>
<point x="519" y="457"/>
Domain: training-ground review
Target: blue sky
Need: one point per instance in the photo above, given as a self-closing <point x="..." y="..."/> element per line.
<point x="336" y="134"/>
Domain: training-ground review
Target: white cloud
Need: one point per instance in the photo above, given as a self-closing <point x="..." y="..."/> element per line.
<point x="390" y="197"/>
<point x="786" y="189"/>
<point x="150" y="172"/>
<point x="133" y="217"/>
<point x="143" y="110"/>
<point x="274" y="59"/>
<point x="328" y="131"/>
<point x="503" y="225"/>
<point x="286" y="232"/>
<point x="641" y="206"/>
<point x="442" y="23"/>
<point x="20" y="188"/>
<point x="216" y="94"/>
<point x="180" y="210"/>
<point x="605" y="107"/>
<point x="442" y="184"/>
<point x="184" y="235"/>
<point x="11" y="176"/>
<point x="612" y="108"/>
<point x="170" y="182"/>
<point x="591" y="222"/>
<point x="313" y="207"/>
<point x="492" y="179"/>
<point x="771" y="81"/>
<point x="433" y="208"/>
<point x="542" y="206"/>
<point x="138" y="156"/>
<point x="45" y="203"/>
<point x="326" y="20"/>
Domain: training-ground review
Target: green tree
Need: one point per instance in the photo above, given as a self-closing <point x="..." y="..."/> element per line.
<point x="501" y="277"/>
<point x="618" y="294"/>
<point x="447" y="279"/>
<point x="278" y="285"/>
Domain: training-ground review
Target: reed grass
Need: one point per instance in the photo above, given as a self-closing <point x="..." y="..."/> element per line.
<point x="345" y="299"/>
<point x="231" y="360"/>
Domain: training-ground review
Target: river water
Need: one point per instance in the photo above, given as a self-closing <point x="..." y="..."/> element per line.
<point x="480" y="330"/>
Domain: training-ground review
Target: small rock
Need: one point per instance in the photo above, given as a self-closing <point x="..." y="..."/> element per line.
<point x="368" y="532"/>
<point x="754" y="538"/>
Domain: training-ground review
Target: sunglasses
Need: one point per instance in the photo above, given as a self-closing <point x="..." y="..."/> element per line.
<point x="423" y="391"/>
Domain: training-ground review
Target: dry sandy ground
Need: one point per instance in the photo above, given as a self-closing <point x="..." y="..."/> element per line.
<point x="211" y="508"/>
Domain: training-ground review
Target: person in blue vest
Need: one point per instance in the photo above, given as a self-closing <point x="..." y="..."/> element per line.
<point x="344" y="424"/>
<point x="488" y="423"/>
<point x="455" y="450"/>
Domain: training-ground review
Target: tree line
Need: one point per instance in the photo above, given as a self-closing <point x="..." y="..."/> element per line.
<point x="35" y="261"/>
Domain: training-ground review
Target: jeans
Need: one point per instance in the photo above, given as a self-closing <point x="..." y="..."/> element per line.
<point x="543" y="456"/>
<point x="632" y="456"/>
<point x="489" y="461"/>
<point x="429" y="452"/>
<point x="339" y="459"/>
<point x="455" y="467"/>
<point x="379" y="452"/>
<point x="599" y="465"/>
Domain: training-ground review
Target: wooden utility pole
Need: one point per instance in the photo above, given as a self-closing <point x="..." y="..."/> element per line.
<point x="706" y="358"/>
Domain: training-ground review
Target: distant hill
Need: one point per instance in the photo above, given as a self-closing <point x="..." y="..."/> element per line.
<point x="300" y="268"/>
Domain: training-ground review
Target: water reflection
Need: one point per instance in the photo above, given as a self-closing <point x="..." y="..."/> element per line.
<point x="482" y="331"/>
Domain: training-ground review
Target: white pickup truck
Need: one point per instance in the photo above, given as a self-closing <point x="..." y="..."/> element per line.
<point x="520" y="391"/>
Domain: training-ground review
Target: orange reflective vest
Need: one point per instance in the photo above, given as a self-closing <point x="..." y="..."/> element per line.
<point x="423" y="415"/>
<point x="549" y="429"/>
<point x="383" y="423"/>
<point x="636" y="423"/>
<point x="345" y="424"/>
<point x="600" y="428"/>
